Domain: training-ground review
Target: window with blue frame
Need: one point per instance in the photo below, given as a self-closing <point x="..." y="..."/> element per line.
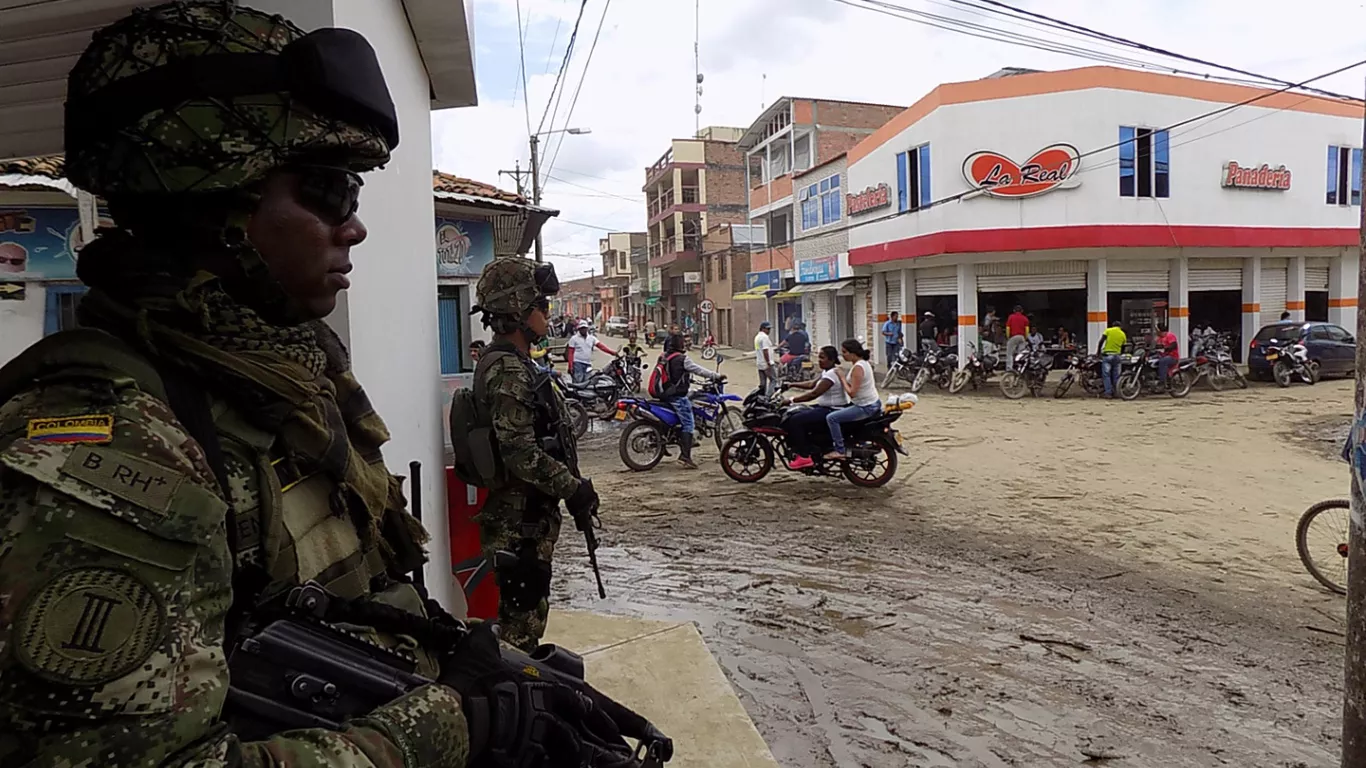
<point x="830" y="200"/>
<point x="60" y="312"/>
<point x="1144" y="162"/>
<point x="811" y="211"/>
<point x="449" y="332"/>
<point x="1344" y="176"/>
<point x="913" y="179"/>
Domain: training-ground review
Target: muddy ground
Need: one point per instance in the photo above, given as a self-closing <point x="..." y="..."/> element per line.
<point x="1044" y="583"/>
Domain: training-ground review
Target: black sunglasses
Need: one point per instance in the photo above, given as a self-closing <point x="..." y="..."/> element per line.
<point x="332" y="193"/>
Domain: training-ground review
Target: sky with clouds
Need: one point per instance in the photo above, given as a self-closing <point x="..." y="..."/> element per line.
<point x="637" y="93"/>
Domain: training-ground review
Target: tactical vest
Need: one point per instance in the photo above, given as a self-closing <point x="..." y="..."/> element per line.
<point x="281" y="525"/>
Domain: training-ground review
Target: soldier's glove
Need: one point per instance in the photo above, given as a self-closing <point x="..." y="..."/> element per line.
<point x="584" y="501"/>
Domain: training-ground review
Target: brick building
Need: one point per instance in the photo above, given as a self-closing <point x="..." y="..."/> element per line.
<point x="793" y="136"/>
<point x="696" y="185"/>
<point x="617" y="250"/>
<point x="581" y="298"/>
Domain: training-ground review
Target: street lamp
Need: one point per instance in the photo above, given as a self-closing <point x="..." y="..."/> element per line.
<point x="535" y="140"/>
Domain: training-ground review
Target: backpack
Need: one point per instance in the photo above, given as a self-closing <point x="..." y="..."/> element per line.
<point x="660" y="384"/>
<point x="474" y="446"/>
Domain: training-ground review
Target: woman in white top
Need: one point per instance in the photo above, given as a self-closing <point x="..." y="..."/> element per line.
<point x="825" y="394"/>
<point x="858" y="384"/>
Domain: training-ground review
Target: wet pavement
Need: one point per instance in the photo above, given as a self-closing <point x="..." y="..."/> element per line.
<point x="944" y="621"/>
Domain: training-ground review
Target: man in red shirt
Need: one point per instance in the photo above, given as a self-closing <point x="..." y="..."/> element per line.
<point x="1017" y="327"/>
<point x="1166" y="341"/>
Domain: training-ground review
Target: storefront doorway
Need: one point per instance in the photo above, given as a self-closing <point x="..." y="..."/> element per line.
<point x="844" y="320"/>
<point x="1316" y="306"/>
<point x="1051" y="311"/>
<point x="1139" y="312"/>
<point x="1222" y="311"/>
<point x="945" y="309"/>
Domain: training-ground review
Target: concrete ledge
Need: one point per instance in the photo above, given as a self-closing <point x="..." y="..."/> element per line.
<point x="664" y="671"/>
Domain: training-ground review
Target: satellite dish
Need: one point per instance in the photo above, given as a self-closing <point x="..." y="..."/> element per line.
<point x="699" y="78"/>
<point x="699" y="90"/>
<point x="697" y="109"/>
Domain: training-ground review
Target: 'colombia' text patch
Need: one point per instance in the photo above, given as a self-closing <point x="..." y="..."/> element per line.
<point x="94" y="428"/>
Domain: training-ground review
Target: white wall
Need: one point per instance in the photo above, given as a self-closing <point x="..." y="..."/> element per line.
<point x="21" y="322"/>
<point x="1089" y="120"/>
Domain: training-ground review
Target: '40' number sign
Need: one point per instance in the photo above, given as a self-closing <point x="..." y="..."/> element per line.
<point x="999" y="176"/>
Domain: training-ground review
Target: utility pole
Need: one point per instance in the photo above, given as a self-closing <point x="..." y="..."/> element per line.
<point x="517" y="177"/>
<point x="536" y="185"/>
<point x="1354" y="679"/>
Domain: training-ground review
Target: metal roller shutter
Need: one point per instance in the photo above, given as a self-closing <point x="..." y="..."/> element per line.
<point x="936" y="286"/>
<point x="893" y="292"/>
<point x="1226" y="279"/>
<point x="1001" y="277"/>
<point x="1273" y="294"/>
<point x="822" y="330"/>
<point x="1315" y="278"/>
<point x="1145" y="281"/>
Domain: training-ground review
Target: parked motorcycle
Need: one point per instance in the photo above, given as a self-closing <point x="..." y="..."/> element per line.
<point x="1215" y="364"/>
<point x="1290" y="361"/>
<point x="977" y="371"/>
<point x="1027" y="374"/>
<point x="905" y="367"/>
<point x="799" y="368"/>
<point x="1085" y="369"/>
<point x="597" y="394"/>
<point x="655" y="426"/>
<point x="625" y="370"/>
<point x="1138" y="375"/>
<point x="872" y="444"/>
<point x="575" y="410"/>
<point x="937" y="365"/>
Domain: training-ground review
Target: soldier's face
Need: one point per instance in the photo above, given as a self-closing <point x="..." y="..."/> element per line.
<point x="306" y="247"/>
<point x="538" y="321"/>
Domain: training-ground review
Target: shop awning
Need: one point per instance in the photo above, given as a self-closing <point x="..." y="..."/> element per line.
<point x="789" y="294"/>
<point x="835" y="285"/>
<point x="754" y="294"/>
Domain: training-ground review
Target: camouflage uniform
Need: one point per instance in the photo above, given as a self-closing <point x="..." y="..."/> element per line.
<point x="116" y="570"/>
<point x="522" y="512"/>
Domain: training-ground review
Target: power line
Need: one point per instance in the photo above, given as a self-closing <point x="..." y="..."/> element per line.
<point x="575" y="101"/>
<point x="1059" y="23"/>
<point x="564" y="65"/>
<point x="601" y="192"/>
<point x="555" y="38"/>
<point x="1203" y="116"/>
<point x="521" y="47"/>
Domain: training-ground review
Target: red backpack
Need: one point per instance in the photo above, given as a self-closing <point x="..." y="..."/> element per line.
<point x="659" y="384"/>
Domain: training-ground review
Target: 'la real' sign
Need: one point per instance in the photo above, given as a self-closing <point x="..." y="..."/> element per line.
<point x="1265" y="177"/>
<point x="1048" y="169"/>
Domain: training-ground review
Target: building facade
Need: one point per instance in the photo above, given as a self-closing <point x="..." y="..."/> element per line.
<point x="823" y="279"/>
<point x="617" y="250"/>
<point x="791" y="137"/>
<point x="695" y="185"/>
<point x="1064" y="193"/>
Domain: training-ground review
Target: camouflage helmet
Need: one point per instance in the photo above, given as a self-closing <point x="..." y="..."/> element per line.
<point x="207" y="96"/>
<point x="511" y="284"/>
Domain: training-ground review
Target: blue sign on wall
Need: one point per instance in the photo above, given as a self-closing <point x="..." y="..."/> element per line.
<point x="38" y="243"/>
<point x="463" y="248"/>
<point x="818" y="270"/>
<point x="771" y="279"/>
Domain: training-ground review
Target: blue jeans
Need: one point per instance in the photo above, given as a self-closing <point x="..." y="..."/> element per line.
<point x="844" y="415"/>
<point x="683" y="407"/>
<point x="1164" y="367"/>
<point x="1109" y="372"/>
<point x="580" y="372"/>
<point x="892" y="349"/>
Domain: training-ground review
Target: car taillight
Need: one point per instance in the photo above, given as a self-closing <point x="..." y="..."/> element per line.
<point x="1253" y="345"/>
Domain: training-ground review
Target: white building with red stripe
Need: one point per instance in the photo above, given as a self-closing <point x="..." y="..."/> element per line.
<point x="1094" y="194"/>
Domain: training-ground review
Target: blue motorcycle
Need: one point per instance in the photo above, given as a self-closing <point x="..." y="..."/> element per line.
<point x="654" y="425"/>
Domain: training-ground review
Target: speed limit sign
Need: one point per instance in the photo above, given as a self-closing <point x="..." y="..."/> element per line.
<point x="706" y="306"/>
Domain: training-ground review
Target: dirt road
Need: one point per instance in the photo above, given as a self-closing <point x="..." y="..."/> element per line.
<point x="1045" y="583"/>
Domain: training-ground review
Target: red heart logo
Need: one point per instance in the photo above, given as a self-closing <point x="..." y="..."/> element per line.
<point x="999" y="176"/>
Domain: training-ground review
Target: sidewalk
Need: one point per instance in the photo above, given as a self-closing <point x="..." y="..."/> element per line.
<point x="664" y="671"/>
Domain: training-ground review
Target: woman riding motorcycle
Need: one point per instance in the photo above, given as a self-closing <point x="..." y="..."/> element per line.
<point x="858" y="384"/>
<point x="826" y="395"/>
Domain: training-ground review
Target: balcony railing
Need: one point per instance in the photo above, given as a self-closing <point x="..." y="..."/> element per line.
<point x="675" y="244"/>
<point x="665" y="200"/>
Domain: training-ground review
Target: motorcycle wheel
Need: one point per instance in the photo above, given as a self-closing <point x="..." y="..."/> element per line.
<point x="1311" y="373"/>
<point x="727" y="424"/>
<point x="747" y="457"/>
<point x="1063" y="385"/>
<point x="578" y="418"/>
<point x="1332" y="533"/>
<point x="960" y="379"/>
<point x="1237" y="377"/>
<point x="1218" y="379"/>
<point x="921" y="376"/>
<point x="1281" y="373"/>
<point x="890" y="375"/>
<point x="873" y="472"/>
<point x="646" y="439"/>
<point x="709" y="353"/>
<point x="1014" y="386"/>
<point x="1129" y="386"/>
<point x="1181" y="383"/>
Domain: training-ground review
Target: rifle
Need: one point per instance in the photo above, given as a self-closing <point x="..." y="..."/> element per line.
<point x="415" y="504"/>
<point x="301" y="671"/>
<point x="587" y="522"/>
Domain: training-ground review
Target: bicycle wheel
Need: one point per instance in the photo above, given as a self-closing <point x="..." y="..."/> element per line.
<point x="1322" y="531"/>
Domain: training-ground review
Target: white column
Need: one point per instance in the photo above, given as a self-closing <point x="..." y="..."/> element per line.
<point x="879" y="289"/>
<point x="1178" y="303"/>
<point x="1252" y="298"/>
<point x="1097" y="302"/>
<point x="1342" y="290"/>
<point x="967" y="310"/>
<point x="1294" y="288"/>
<point x="909" y="315"/>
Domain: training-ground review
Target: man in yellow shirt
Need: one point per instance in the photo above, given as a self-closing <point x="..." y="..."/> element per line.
<point x="1112" y="342"/>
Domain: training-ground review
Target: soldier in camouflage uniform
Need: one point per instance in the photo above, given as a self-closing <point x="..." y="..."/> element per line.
<point x="522" y="513"/>
<point x="204" y="389"/>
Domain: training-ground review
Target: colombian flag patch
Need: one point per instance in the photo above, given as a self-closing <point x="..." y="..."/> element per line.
<point x="94" y="428"/>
